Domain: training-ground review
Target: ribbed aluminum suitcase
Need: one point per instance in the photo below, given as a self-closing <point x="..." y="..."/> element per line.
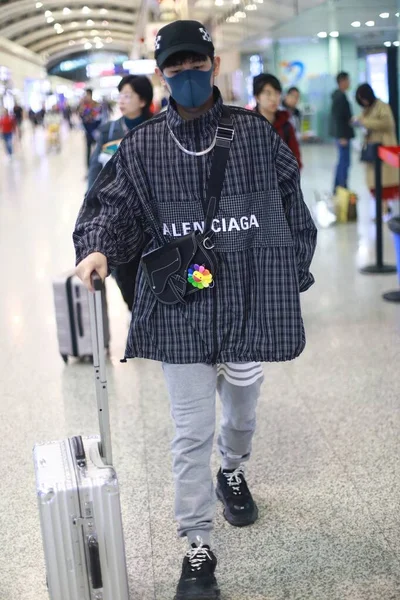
<point x="71" y="302"/>
<point x="79" y="501"/>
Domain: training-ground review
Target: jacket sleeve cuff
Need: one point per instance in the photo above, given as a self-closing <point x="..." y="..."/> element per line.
<point x="96" y="241"/>
<point x="306" y="280"/>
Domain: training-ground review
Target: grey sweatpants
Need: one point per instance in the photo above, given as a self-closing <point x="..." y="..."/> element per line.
<point x="192" y="390"/>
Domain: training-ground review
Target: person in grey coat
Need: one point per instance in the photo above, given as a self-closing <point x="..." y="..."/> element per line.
<point x="264" y="240"/>
<point x="135" y="98"/>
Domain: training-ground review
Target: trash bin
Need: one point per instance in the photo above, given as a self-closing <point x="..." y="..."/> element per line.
<point x="394" y="226"/>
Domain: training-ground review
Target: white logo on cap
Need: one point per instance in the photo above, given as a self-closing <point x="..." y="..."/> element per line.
<point x="157" y="42"/>
<point x="206" y="36"/>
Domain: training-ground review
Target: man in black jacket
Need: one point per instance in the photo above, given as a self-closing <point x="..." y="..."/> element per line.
<point x="341" y="128"/>
<point x="290" y="103"/>
<point x="263" y="236"/>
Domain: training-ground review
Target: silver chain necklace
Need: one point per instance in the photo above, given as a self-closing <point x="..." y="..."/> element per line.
<point x="186" y="151"/>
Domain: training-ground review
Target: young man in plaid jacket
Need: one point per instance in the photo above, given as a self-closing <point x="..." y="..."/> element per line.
<point x="264" y="238"/>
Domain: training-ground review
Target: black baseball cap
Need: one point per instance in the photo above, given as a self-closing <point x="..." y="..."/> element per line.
<point x="182" y="36"/>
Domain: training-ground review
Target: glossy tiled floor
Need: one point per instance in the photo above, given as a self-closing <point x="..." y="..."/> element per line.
<point x="325" y="470"/>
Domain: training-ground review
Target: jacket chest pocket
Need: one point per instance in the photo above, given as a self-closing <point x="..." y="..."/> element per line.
<point x="242" y="222"/>
<point x="253" y="220"/>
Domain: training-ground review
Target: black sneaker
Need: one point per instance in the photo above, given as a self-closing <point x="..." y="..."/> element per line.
<point x="198" y="581"/>
<point x="240" y="509"/>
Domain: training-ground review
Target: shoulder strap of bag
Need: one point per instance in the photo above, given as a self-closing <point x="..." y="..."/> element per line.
<point x="224" y="139"/>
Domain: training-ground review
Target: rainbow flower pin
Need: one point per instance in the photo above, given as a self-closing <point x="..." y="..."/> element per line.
<point x="199" y="276"/>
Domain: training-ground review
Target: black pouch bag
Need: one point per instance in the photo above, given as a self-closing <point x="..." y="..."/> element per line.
<point x="167" y="268"/>
<point x="368" y="153"/>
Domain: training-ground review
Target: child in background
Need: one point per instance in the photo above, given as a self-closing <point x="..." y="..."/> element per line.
<point x="52" y="123"/>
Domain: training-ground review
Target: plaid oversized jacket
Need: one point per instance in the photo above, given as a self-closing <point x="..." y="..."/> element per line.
<point x="264" y="238"/>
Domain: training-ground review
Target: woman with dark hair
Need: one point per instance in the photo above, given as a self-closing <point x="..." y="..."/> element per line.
<point x="377" y="118"/>
<point x="267" y="91"/>
<point x="135" y="98"/>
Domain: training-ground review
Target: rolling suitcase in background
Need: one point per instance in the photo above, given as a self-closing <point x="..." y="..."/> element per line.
<point x="79" y="502"/>
<point x="71" y="300"/>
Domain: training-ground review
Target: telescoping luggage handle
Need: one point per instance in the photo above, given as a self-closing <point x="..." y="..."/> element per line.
<point x="99" y="364"/>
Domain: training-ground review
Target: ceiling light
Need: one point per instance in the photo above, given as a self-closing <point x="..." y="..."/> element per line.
<point x="250" y="7"/>
<point x="219" y="2"/>
<point x="398" y="14"/>
<point x="109" y="40"/>
<point x="387" y="44"/>
<point x="86" y="10"/>
<point x="57" y="25"/>
<point x="48" y="13"/>
<point x="240" y="15"/>
<point x="60" y="31"/>
<point x="334" y="34"/>
<point x="50" y="19"/>
<point x="259" y="1"/>
<point x="74" y="24"/>
<point x="39" y="5"/>
<point x="370" y="23"/>
<point x="397" y="44"/>
<point x="236" y="1"/>
<point x="84" y="40"/>
<point x="72" y="42"/>
<point x="105" y="23"/>
<point x="87" y="46"/>
<point x="97" y="39"/>
<point x="356" y="24"/>
<point x="103" y="11"/>
<point x="94" y="32"/>
<point x="232" y="20"/>
<point x="66" y="11"/>
<point x="322" y="34"/>
<point x="107" y="32"/>
<point x="89" y="23"/>
<point x="99" y="45"/>
<point x="384" y="15"/>
<point x="80" y="34"/>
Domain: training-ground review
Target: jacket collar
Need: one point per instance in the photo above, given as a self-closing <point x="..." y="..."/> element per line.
<point x="204" y="127"/>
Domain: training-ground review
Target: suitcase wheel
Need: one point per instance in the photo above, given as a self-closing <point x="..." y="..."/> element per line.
<point x="65" y="358"/>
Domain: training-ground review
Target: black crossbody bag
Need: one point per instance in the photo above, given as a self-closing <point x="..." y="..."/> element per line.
<point x="189" y="264"/>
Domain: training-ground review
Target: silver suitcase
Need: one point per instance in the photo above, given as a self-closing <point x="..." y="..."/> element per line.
<point x="71" y="301"/>
<point x="79" y="501"/>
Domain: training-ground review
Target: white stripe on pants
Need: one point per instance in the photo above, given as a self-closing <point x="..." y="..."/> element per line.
<point x="192" y="391"/>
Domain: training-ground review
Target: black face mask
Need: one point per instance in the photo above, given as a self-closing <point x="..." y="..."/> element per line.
<point x="191" y="88"/>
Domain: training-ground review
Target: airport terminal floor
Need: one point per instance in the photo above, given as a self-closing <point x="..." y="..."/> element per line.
<point x="325" y="470"/>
